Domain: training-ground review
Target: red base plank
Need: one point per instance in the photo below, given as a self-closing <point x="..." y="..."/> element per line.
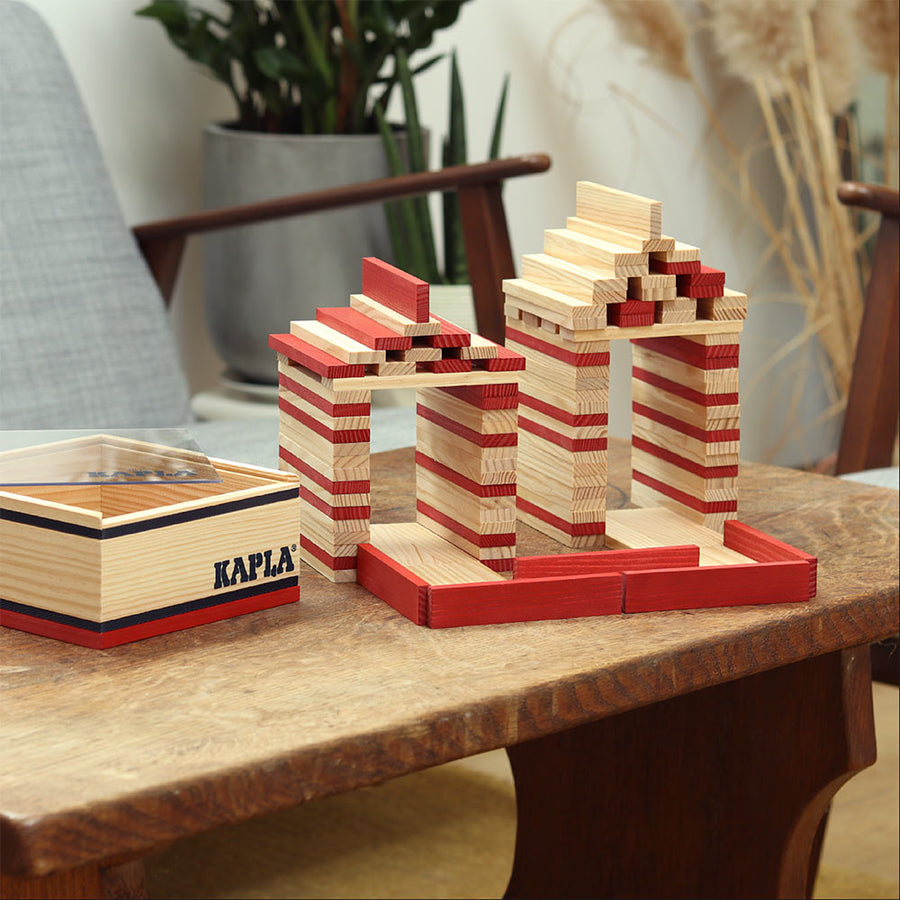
<point x="395" y="289"/>
<point x="570" y="528"/>
<point x="760" y="546"/>
<point x="709" y="586"/>
<point x="524" y="600"/>
<point x="499" y="565"/>
<point x="105" y="639"/>
<point x="701" y="291"/>
<point x="361" y="328"/>
<point x="313" y="358"/>
<point x="567" y="356"/>
<point x="392" y="583"/>
<point x="599" y="562"/>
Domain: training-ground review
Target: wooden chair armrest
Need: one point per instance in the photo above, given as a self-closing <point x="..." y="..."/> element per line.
<point x="484" y="221"/>
<point x="874" y="197"/>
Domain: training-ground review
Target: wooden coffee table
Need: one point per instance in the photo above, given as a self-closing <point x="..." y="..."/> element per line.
<point x="665" y="754"/>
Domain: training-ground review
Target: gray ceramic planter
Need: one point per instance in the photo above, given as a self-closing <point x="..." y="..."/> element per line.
<point x="257" y="278"/>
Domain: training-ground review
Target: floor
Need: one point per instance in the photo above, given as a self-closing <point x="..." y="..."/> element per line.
<point x="450" y="831"/>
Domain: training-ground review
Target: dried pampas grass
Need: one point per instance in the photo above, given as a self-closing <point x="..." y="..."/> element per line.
<point x="878" y="27"/>
<point x="658" y="27"/>
<point x="833" y="23"/>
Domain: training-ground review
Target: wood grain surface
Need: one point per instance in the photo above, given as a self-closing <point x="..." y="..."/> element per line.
<point x="115" y="753"/>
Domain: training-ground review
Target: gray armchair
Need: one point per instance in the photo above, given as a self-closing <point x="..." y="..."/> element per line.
<point x="84" y="335"/>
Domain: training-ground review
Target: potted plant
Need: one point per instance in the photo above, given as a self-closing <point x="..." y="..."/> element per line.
<point x="307" y="79"/>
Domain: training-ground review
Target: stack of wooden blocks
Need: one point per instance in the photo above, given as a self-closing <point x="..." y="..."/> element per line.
<point x="466" y="421"/>
<point x="611" y="274"/>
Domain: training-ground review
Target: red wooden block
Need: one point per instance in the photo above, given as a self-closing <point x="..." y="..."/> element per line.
<point x="574" y="419"/>
<point x="700" y="291"/>
<point x="631" y="313"/>
<point x="673" y="387"/>
<point x="689" y="500"/>
<point x="673" y="268"/>
<point x="450" y="335"/>
<point x="344" y="436"/>
<point x="567" y="356"/>
<point x="445" y="365"/>
<point x="764" y="548"/>
<point x="524" y="600"/>
<point x="505" y="361"/>
<point x="313" y="358"/>
<point x="607" y="561"/>
<point x="499" y="565"/>
<point x="709" y="586"/>
<point x="86" y="635"/>
<point x="333" y="562"/>
<point x="451" y="475"/>
<point x="708" y="437"/>
<point x="570" y="528"/>
<point x="503" y="439"/>
<point x="338" y="513"/>
<point x="338" y="410"/>
<point x="708" y="275"/>
<point x="693" y="354"/>
<point x="396" y="289"/>
<point x="361" y="328"/>
<point x="487" y="396"/>
<point x="392" y="583"/>
<point x="358" y="486"/>
<point x="687" y="464"/>
<point x="575" y="445"/>
<point x="638" y="320"/>
<point x="479" y="540"/>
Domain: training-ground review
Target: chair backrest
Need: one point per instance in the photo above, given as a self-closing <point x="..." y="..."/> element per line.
<point x="84" y="336"/>
<point x="870" y="422"/>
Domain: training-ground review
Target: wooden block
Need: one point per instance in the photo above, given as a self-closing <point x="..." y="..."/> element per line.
<point x="686" y="499"/>
<point x="394" y="584"/>
<point x="553" y="305"/>
<point x="360" y="327"/>
<point x="692" y="395"/>
<point x="487" y="547"/>
<point x="573" y="355"/>
<point x="679" y="310"/>
<point x="473" y="487"/>
<point x="320" y="421"/>
<point x="335" y="481"/>
<point x="525" y="600"/>
<point x="764" y="548"/>
<point x="652" y="287"/>
<point x="707" y="275"/>
<point x="682" y="253"/>
<point x="402" y="325"/>
<point x="334" y="568"/>
<point x="711" y="586"/>
<point x="631" y="313"/>
<point x="450" y="364"/>
<point x="720" y="356"/>
<point x="705" y="381"/>
<point x="450" y="335"/>
<point x="478" y="515"/>
<point x="479" y="348"/>
<point x="559" y="524"/>
<point x="581" y="250"/>
<point x="338" y="345"/>
<point x="607" y="561"/>
<point x="706" y="418"/>
<point x="416" y="354"/>
<point x="612" y="333"/>
<point x="709" y="338"/>
<point x="673" y="268"/>
<point x="632" y="241"/>
<point x="540" y="408"/>
<point x="695" y="481"/>
<point x="318" y="361"/>
<point x="395" y="289"/>
<point x="298" y="422"/>
<point x="474" y="418"/>
<point x="579" y="282"/>
<point x="334" y="467"/>
<point x="506" y="360"/>
<point x="699" y="291"/>
<point x="337" y="513"/>
<point x="618" y="209"/>
<point x="474" y="435"/>
<point x="714" y="442"/>
<point x="299" y="383"/>
<point x="545" y="338"/>
<point x="390" y="369"/>
<point x="485" y="396"/>
<point x="729" y="307"/>
<point x="495" y="465"/>
<point x="478" y="376"/>
<point x="555" y="435"/>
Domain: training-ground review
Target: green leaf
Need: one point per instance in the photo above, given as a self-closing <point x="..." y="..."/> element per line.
<point x="494" y="150"/>
<point x="454" y="154"/>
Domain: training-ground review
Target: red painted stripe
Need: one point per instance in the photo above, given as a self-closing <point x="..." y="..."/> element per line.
<point x="333" y="562"/>
<point x="624" y="316"/>
<point x="338" y="513"/>
<point x="567" y="356"/>
<point x="505" y="361"/>
<point x="574" y="419"/>
<point x="486" y="396"/>
<point x="673" y="387"/>
<point x="359" y="486"/>
<point x="100" y="641"/>
<point x="440" y="366"/>
<point x="450" y="335"/>
<point x="701" y="291"/>
<point x="499" y="565"/>
<point x="575" y="445"/>
<point x="763" y="548"/>
<point x="706" y="277"/>
<point x="715" y="506"/>
<point x="687" y="464"/>
<point x="504" y="439"/>
<point x="361" y="328"/>
<point x="338" y="410"/>
<point x="598" y="562"/>
<point x="340" y="436"/>
<point x="693" y="354"/>
<point x="395" y="288"/>
<point x="571" y="528"/>
<point x="708" y="437"/>
<point x="480" y="540"/>
<point x="392" y="583"/>
<point x="313" y="358"/>
<point x="479" y="490"/>
<point x="673" y="268"/>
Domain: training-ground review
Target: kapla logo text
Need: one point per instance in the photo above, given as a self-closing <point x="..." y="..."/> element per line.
<point x="242" y="569"/>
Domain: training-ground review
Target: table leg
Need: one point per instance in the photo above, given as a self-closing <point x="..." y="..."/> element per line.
<point x="717" y="793"/>
<point x="122" y="882"/>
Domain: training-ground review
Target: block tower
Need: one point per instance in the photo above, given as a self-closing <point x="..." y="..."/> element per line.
<point x="611" y="274"/>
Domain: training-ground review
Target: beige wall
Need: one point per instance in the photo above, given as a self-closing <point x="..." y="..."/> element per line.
<point x="148" y="105"/>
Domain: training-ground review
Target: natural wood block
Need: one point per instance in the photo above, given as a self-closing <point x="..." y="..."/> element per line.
<point x="351" y="428"/>
<point x="473" y="487"/>
<point x="416" y="354"/>
<point x="360" y="327"/>
<point x="704" y="381"/>
<point x="691" y="445"/>
<point x="708" y="418"/>
<point x="580" y="282"/>
<point x="334" y="342"/>
<point x="646" y="491"/>
<point x="707" y="488"/>
<point x="559" y="530"/>
<point x="389" y="318"/>
<point x="468" y="415"/>
<point x="728" y="308"/>
<point x="142" y="560"/>
<point x="562" y="564"/>
<point x="351" y="479"/>
<point x="534" y="406"/>
<point x="613" y="333"/>
<point x="682" y="253"/>
<point x="692" y="395"/>
<point x="618" y="209"/>
<point x="545" y="341"/>
<point x="485" y="549"/>
<point x="552" y="305"/>
<point x="316" y="391"/>
<point x="677" y="311"/>
<point x="718" y="356"/>
<point x="501" y="374"/>
<point x="480" y="515"/>
<point x="623" y="238"/>
<point x="581" y="249"/>
<point x="313" y="358"/>
<point x="396" y="289"/>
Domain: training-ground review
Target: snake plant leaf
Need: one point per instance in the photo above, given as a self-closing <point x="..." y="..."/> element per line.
<point x="497" y="131"/>
<point x="455" y="153"/>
